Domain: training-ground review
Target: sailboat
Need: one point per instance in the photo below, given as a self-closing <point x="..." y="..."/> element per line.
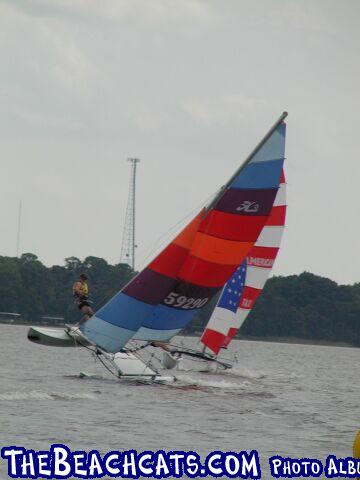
<point x="180" y="281"/>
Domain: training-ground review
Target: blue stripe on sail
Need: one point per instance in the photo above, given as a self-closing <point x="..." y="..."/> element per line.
<point x="260" y="175"/>
<point x="107" y="336"/>
<point x="273" y="148"/>
<point x="150" y="334"/>
<point x="125" y="311"/>
<point x="167" y="318"/>
<point x="230" y="296"/>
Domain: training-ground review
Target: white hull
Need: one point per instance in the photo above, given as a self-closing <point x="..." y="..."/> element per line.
<point x="125" y="364"/>
<point x="55" y="337"/>
<point x="131" y="367"/>
<point x="189" y="359"/>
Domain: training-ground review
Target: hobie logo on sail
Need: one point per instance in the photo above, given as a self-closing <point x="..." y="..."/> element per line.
<point x="248" y="206"/>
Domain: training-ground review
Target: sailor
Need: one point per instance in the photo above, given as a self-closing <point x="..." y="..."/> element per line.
<point x="81" y="294"/>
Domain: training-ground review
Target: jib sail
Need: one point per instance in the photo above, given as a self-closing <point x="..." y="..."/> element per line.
<point x="244" y="287"/>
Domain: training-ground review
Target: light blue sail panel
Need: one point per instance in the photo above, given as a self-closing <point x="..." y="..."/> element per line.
<point x="273" y="148"/>
<point x="116" y="322"/>
<point x="163" y="321"/>
<point x="125" y="311"/>
<point x="149" y="334"/>
<point x="264" y="168"/>
<point x="106" y="335"/>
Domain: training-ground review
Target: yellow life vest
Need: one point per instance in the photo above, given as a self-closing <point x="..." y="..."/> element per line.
<point x="85" y="288"/>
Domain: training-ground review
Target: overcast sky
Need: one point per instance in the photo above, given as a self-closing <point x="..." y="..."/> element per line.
<point x="190" y="87"/>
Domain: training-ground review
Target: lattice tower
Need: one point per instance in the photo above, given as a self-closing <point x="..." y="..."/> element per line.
<point x="128" y="240"/>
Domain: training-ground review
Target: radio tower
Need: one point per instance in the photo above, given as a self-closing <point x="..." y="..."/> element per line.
<point x="128" y="241"/>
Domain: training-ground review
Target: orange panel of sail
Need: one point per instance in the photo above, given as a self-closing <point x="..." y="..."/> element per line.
<point x="219" y="250"/>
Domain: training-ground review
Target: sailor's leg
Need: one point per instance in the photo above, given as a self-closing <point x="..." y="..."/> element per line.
<point x="88" y="313"/>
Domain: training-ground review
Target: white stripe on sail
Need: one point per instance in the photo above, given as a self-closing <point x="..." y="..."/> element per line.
<point x="240" y="317"/>
<point x="256" y="277"/>
<point x="280" y="198"/>
<point x="221" y="320"/>
<point x="270" y="237"/>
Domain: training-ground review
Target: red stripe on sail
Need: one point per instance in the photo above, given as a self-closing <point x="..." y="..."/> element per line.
<point x="282" y="176"/>
<point x="207" y="274"/>
<point x="231" y="334"/>
<point x="170" y="260"/>
<point x="232" y="227"/>
<point x="213" y="340"/>
<point x="249" y="297"/>
<point x="186" y="236"/>
<point x="262" y="256"/>
<point x="277" y="216"/>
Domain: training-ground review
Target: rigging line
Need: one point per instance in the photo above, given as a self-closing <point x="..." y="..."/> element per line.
<point x="98" y="356"/>
<point x="157" y="368"/>
<point x="155" y="244"/>
<point x="77" y="353"/>
<point x="95" y="352"/>
<point x="136" y="349"/>
<point x="148" y="364"/>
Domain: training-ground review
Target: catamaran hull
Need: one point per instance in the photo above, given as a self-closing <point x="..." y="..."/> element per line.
<point x="129" y="366"/>
<point x="54" y="337"/>
<point x="197" y="361"/>
<point x="125" y="364"/>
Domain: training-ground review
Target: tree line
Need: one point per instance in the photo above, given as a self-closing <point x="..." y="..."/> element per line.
<point x="30" y="288"/>
<point x="305" y="307"/>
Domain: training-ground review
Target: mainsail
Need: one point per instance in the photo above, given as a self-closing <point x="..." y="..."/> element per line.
<point x="244" y="287"/>
<point x="160" y="301"/>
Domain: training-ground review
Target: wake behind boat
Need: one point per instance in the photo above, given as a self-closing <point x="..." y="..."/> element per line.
<point x="213" y="248"/>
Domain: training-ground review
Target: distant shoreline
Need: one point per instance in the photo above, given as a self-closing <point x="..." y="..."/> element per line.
<point x="292" y="340"/>
<point x="299" y="341"/>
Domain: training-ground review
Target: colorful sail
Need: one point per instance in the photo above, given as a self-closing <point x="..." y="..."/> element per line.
<point x="170" y="291"/>
<point x="244" y="287"/>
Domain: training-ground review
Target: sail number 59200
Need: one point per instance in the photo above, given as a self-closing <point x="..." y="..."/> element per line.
<point x="180" y="301"/>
